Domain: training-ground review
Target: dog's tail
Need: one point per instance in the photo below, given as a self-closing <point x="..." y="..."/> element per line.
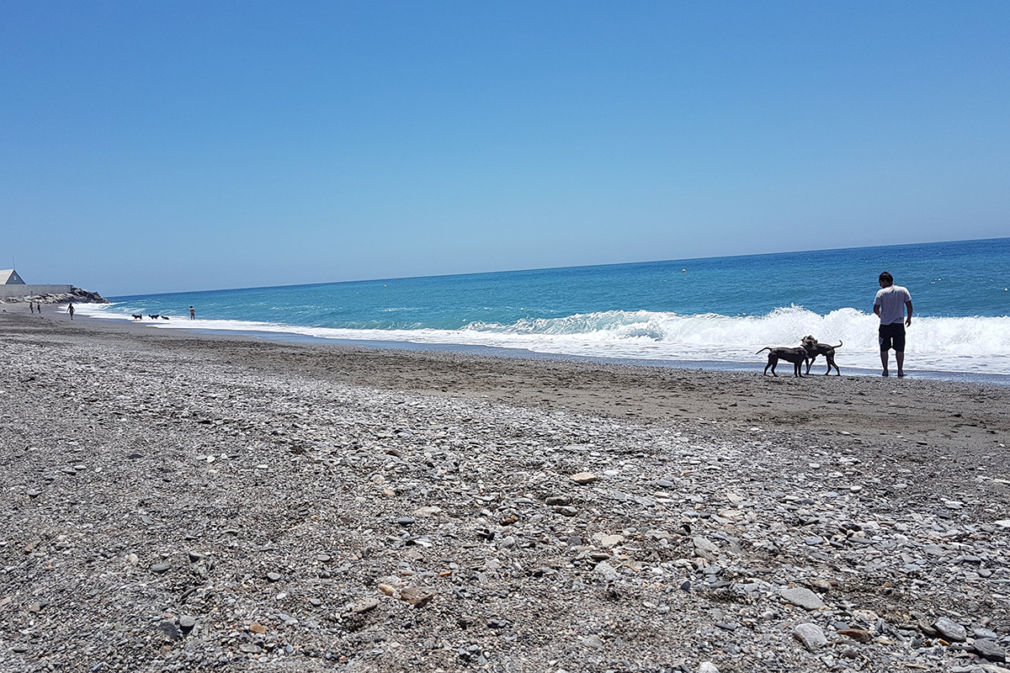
<point x="766" y="348"/>
<point x="839" y="344"/>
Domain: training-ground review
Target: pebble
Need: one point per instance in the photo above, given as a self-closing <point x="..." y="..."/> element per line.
<point x="811" y="636"/>
<point x="989" y="649"/>
<point x="583" y="477"/>
<point x="274" y="577"/>
<point x="160" y="568"/>
<point x="803" y="597"/>
<point x="950" y="629"/>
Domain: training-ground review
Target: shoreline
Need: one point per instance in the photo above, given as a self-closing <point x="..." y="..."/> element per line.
<point x="756" y="365"/>
<point x="230" y="502"/>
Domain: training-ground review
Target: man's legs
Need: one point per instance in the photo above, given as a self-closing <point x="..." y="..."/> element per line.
<point x="883" y="361"/>
<point x="899" y="357"/>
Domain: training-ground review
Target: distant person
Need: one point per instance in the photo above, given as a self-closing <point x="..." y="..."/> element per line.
<point x="889" y="305"/>
<point x="192" y="313"/>
<point x="70" y="310"/>
<point x="31" y="307"/>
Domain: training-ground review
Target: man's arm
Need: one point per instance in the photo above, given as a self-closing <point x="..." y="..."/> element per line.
<point x="908" y="306"/>
<point x="876" y="310"/>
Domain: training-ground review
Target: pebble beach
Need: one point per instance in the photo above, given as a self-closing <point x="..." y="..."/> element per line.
<point x="187" y="502"/>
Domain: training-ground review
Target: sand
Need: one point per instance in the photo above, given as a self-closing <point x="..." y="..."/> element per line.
<point x="281" y="484"/>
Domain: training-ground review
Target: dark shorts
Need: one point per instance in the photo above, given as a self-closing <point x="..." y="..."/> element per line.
<point x="892" y="336"/>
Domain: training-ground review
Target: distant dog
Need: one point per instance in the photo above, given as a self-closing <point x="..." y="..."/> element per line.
<point x="795" y="355"/>
<point x="137" y="316"/>
<point x="164" y="317"/>
<point x="815" y="348"/>
<point x="153" y="317"/>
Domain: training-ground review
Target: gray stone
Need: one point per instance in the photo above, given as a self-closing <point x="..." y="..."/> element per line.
<point x="170" y="630"/>
<point x="707" y="667"/>
<point x="803" y="597"/>
<point x="274" y="577"/>
<point x="703" y="544"/>
<point x="811" y="636"/>
<point x="161" y="568"/>
<point x="989" y="650"/>
<point x="583" y="477"/>
<point x="950" y="630"/>
<point x="593" y="642"/>
<point x="607" y="571"/>
<point x="187" y="622"/>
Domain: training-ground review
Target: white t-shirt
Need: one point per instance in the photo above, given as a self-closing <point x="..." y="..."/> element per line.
<point x="891" y="301"/>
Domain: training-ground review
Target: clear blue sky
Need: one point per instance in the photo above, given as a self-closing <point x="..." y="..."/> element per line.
<point x="163" y="146"/>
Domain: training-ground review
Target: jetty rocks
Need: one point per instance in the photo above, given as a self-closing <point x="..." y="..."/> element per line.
<point x="75" y="294"/>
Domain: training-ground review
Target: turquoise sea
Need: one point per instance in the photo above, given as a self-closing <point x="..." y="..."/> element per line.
<point x="713" y="312"/>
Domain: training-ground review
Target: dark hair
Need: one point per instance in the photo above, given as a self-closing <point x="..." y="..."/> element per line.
<point x="886" y="278"/>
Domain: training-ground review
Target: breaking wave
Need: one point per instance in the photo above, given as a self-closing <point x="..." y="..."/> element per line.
<point x="946" y="344"/>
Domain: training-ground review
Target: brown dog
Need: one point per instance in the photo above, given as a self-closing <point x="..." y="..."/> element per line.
<point x="795" y="355"/>
<point x="815" y="348"/>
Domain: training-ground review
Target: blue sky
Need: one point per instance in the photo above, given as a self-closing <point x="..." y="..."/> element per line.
<point x="177" y="146"/>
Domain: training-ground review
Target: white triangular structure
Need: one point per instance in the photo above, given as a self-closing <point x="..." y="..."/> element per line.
<point x="10" y="277"/>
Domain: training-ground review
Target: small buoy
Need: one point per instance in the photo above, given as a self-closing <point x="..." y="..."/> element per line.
<point x="683" y="270"/>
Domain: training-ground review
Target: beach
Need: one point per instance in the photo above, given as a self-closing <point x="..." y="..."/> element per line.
<point x="186" y="501"/>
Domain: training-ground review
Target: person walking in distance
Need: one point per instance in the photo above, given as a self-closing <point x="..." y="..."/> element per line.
<point x="889" y="305"/>
<point x="192" y="313"/>
<point x="70" y="310"/>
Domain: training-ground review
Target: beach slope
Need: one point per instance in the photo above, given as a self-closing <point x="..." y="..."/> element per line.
<point x="187" y="502"/>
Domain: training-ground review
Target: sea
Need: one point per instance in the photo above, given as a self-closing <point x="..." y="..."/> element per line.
<point x="711" y="313"/>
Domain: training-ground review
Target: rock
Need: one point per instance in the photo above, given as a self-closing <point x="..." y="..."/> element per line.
<point x="257" y="628"/>
<point x="567" y="510"/>
<point x="606" y="571"/>
<point x="707" y="667"/>
<point x="703" y="544"/>
<point x="558" y="500"/>
<point x="405" y="520"/>
<point x="989" y="650"/>
<point x="803" y="597"/>
<point x="950" y="630"/>
<point x="274" y="577"/>
<point x="856" y="634"/>
<point x="159" y="568"/>
<point x="611" y="540"/>
<point x="583" y="478"/>
<point x="169" y="629"/>
<point x="593" y="642"/>
<point x="365" y="605"/>
<point x="387" y="589"/>
<point x="811" y="636"/>
<point x="187" y="622"/>
<point x="415" y="596"/>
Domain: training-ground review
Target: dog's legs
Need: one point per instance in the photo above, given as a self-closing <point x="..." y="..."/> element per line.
<point x="810" y="363"/>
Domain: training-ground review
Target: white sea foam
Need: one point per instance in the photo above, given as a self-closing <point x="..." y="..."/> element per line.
<point x="970" y="344"/>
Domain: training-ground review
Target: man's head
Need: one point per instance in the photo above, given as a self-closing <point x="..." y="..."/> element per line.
<point x="886" y="279"/>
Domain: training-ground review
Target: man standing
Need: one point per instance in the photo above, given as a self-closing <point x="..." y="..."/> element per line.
<point x="192" y="313"/>
<point x="889" y="305"/>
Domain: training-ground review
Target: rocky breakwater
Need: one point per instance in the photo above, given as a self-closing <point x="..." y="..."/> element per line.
<point x="76" y="295"/>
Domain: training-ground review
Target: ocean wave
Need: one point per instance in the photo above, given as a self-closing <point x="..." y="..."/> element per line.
<point x="963" y="344"/>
